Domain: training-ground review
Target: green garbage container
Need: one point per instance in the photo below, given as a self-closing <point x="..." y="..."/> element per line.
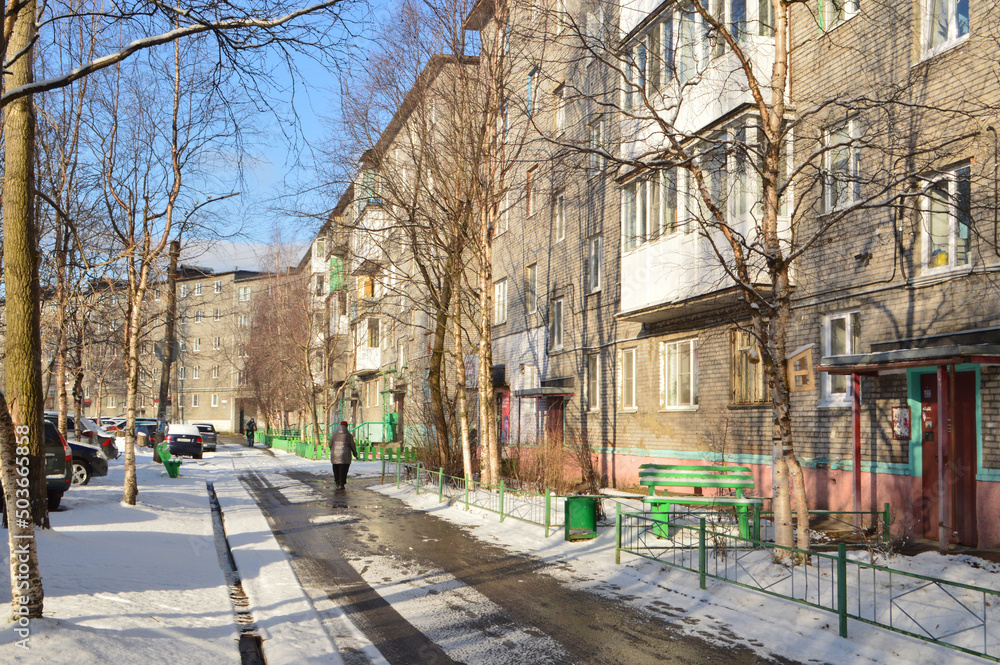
<point x="581" y="517"/>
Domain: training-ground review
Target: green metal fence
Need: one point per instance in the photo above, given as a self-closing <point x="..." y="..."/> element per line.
<point x="956" y="615"/>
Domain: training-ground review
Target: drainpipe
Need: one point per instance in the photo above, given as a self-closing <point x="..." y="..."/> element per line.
<point x="942" y="437"/>
<point x="856" y="422"/>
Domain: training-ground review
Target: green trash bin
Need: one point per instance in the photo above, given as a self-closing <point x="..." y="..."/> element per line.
<point x="581" y="517"/>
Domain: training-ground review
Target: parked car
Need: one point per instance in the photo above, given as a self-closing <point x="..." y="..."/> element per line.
<point x="91" y="431"/>
<point x="209" y="437"/>
<point x="184" y="440"/>
<point x="88" y="461"/>
<point x="58" y="465"/>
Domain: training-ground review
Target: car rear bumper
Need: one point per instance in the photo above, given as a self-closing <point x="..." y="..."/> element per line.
<point x="183" y="448"/>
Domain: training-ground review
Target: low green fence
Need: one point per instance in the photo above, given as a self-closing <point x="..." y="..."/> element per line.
<point x="366" y="453"/>
<point x="952" y="614"/>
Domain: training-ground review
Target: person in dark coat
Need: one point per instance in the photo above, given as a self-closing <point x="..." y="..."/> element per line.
<point x="342" y="449"/>
<point x="251" y="428"/>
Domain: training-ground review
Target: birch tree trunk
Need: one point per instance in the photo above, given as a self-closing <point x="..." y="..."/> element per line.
<point x="463" y="401"/>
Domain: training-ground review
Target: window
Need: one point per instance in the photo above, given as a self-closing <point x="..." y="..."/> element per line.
<point x="241" y="350"/>
<point x="946" y="22"/>
<point x="218" y="286"/>
<point x="244" y="293"/>
<point x="653" y="78"/>
<point x="218" y="313"/>
<point x="747" y="371"/>
<point x="184" y="290"/>
<point x="319" y="285"/>
<point x="530" y="192"/>
<point x="560" y="221"/>
<point x="635" y="204"/>
<point x="592" y="382"/>
<point x="531" y="289"/>
<point x="197" y="316"/>
<point x="627" y="379"/>
<point x="373" y="333"/>
<point x="947" y="216"/>
<point x="197" y="344"/>
<point x="561" y="101"/>
<point x="556" y="324"/>
<point x="196" y="372"/>
<point x="182" y="373"/>
<point x="366" y="286"/>
<point x="503" y="220"/>
<point x="561" y="16"/>
<point x="765" y="18"/>
<point x="197" y="289"/>
<point x="596" y="145"/>
<point x="687" y="44"/>
<point x="679" y="374"/>
<point x="215" y="399"/>
<point x="156" y="294"/>
<point x="319" y="249"/>
<point x="592" y="267"/>
<point x="215" y="371"/>
<point x="841" y="184"/>
<point x="841" y="334"/>
<point x="196" y="400"/>
<point x="400" y="354"/>
<point x="499" y="301"/>
<point x="111" y="402"/>
<point x="217" y="343"/>
<point x="244" y="320"/>
<point x="241" y="378"/>
<point x="532" y="92"/>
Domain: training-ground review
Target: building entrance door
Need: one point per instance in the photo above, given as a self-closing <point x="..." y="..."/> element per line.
<point x="959" y="459"/>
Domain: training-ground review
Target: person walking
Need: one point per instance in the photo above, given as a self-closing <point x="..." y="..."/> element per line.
<point x="341" y="450"/>
<point x="251" y="428"/>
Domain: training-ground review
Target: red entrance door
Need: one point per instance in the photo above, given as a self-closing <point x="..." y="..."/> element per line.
<point x="959" y="460"/>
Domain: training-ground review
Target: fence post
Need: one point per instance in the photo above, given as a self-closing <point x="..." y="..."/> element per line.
<point x="418" y="477"/>
<point x="886" y="519"/>
<point x="440" y="484"/>
<point x="842" y="587"/>
<point x="397" y="472"/>
<point x="466" y="491"/>
<point x="618" y="532"/>
<point x="383" y="472"/>
<point x="548" y="507"/>
<point x="701" y="553"/>
<point x="501" y="501"/>
<point x="756" y="525"/>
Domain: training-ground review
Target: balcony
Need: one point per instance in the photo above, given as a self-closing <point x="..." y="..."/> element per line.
<point x="364" y="307"/>
<point x="368" y="358"/>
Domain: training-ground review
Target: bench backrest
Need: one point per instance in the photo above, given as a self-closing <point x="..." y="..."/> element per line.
<point x="666" y="476"/>
<point x="164" y="451"/>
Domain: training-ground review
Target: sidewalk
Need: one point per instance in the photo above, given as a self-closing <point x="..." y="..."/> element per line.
<point x="143" y="584"/>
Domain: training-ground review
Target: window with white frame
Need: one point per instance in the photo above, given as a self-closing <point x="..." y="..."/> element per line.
<point x="196" y="372"/>
<point x="945" y="24"/>
<point x="197" y="344"/>
<point x="532" y="92"/>
<point x="634" y="214"/>
<point x="241" y="378"/>
<point x="531" y="289"/>
<point x="556" y="324"/>
<point x="765" y="18"/>
<point x="373" y="334"/>
<point x="841" y="336"/>
<point x="503" y="219"/>
<point x="499" y="301"/>
<point x="218" y="286"/>
<point x="530" y="192"/>
<point x="182" y="373"/>
<point x="561" y="103"/>
<point x="596" y="145"/>
<point x="560" y="216"/>
<point x="592" y="382"/>
<point x="400" y="354"/>
<point x="947" y="216"/>
<point x="244" y="293"/>
<point x="215" y="371"/>
<point x="834" y="12"/>
<point x="244" y="321"/>
<point x="679" y="374"/>
<point x="197" y="316"/>
<point x="196" y="400"/>
<point x="319" y="248"/>
<point x="111" y="402"/>
<point x="215" y="399"/>
<point x="627" y="379"/>
<point x="184" y="290"/>
<point x="841" y="183"/>
<point x="197" y="289"/>
<point x="218" y="313"/>
<point x="746" y="369"/>
<point x="593" y="267"/>
<point x="216" y="343"/>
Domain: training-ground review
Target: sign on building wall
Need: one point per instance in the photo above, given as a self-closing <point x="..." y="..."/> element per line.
<point x="901" y="423"/>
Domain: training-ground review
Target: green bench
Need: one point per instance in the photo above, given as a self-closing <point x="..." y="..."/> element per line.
<point x="670" y="476"/>
<point x="173" y="466"/>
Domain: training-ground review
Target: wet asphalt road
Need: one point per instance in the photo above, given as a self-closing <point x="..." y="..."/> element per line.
<point x="388" y="567"/>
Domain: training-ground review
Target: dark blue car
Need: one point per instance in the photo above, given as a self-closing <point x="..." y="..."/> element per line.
<point x="88" y="461"/>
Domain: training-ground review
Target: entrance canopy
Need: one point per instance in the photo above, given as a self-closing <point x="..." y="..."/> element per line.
<point x="873" y="363"/>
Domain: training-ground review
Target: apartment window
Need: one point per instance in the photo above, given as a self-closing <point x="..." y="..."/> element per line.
<point x="319" y="285"/>
<point x="560" y="217"/>
<point x="765" y="18"/>
<point x="217" y="343"/>
<point x="627" y="379"/>
<point x="592" y="382"/>
<point x="841" y="184"/>
<point x="218" y="313"/>
<point x="373" y="333"/>
<point x="196" y="400"/>
<point x="184" y="290"/>
<point x="503" y="219"/>
<point x="244" y="293"/>
<point x="596" y="145"/>
<point x="841" y="335"/>
<point x="319" y="248"/>
<point x="531" y="289"/>
<point x="946" y="22"/>
<point x="834" y="12"/>
<point x="244" y="321"/>
<point x="947" y="216"/>
<point x="156" y="294"/>
<point x="556" y="324"/>
<point x="530" y="192"/>
<point x="111" y="402"/>
<point x="241" y="350"/>
<point x="687" y="44"/>
<point x="532" y="91"/>
<point x="747" y="370"/>
<point x="635" y="207"/>
<point x="215" y="371"/>
<point x="664" y="206"/>
<point x="182" y="373"/>
<point x="499" y="301"/>
<point x="679" y="374"/>
<point x="561" y="102"/>
<point x="197" y="289"/>
<point x="215" y="399"/>
<point x="196" y="372"/>
<point x="218" y="286"/>
<point x="653" y="78"/>
<point x="366" y="286"/>
<point x="197" y="344"/>
<point x="593" y="268"/>
<point x="197" y="316"/>
<point x="241" y="378"/>
<point x="400" y="354"/>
